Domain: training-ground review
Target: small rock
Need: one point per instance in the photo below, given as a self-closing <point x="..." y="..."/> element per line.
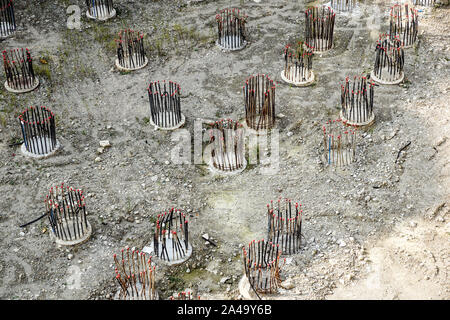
<point x="70" y="256"/>
<point x="224" y="279"/>
<point x="104" y="144"/>
<point x="205" y="236"/>
<point x="342" y="243"/>
<point x="188" y="270"/>
<point x="413" y="224"/>
<point x="290" y="133"/>
<point x="288" y="284"/>
<point x="98" y="159"/>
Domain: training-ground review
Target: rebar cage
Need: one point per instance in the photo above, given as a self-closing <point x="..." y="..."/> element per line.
<point x="298" y="63"/>
<point x="231" y="29"/>
<point x="165" y="106"/>
<point x="259" y="97"/>
<point x="19" y="72"/>
<point x="227" y="140"/>
<point x="38" y="130"/>
<point x="389" y="60"/>
<point x="404" y="24"/>
<point x="339" y="143"/>
<point x="319" y="28"/>
<point x="135" y="275"/>
<point x="171" y="237"/>
<point x="343" y="5"/>
<point x="66" y="211"/>
<point x="100" y="9"/>
<point x="285" y="226"/>
<point x="262" y="265"/>
<point x="130" y="50"/>
<point x="7" y="18"/>
<point x="357" y="101"/>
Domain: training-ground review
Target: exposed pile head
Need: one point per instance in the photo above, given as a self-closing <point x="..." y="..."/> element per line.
<point x="18" y="66"/>
<point x="298" y="64"/>
<point x="227" y="140"/>
<point x="285" y="225"/>
<point x="339" y="142"/>
<point x="135" y="275"/>
<point x="130" y="50"/>
<point x="171" y="237"/>
<point x="66" y="211"/>
<point x="357" y="101"/>
<point x="165" y="105"/>
<point x="100" y="9"/>
<point x="38" y="131"/>
<point x="259" y="97"/>
<point x="389" y="60"/>
<point x="319" y="28"/>
<point x="231" y="29"/>
<point x="404" y="24"/>
<point x="7" y="18"/>
<point x="262" y="265"/>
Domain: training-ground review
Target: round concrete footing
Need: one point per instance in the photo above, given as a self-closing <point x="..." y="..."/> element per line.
<point x="101" y="18"/>
<point x="306" y="83"/>
<point x="226" y="173"/>
<point x="84" y="238"/>
<point x="322" y="52"/>
<point x="226" y="47"/>
<point x="368" y="123"/>
<point x="122" y="68"/>
<point x="150" y="250"/>
<point x="179" y="125"/>
<point x="27" y="153"/>
<point x="252" y="131"/>
<point x="13" y="90"/>
<point x="377" y="80"/>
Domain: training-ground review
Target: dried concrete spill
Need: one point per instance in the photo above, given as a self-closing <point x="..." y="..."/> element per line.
<point x="374" y="228"/>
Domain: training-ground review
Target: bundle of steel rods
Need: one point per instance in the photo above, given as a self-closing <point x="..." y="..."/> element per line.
<point x="259" y="97"/>
<point x="404" y="25"/>
<point x="165" y="103"/>
<point x="285" y="226"/>
<point x="231" y="28"/>
<point x="100" y="8"/>
<point x="339" y="143"/>
<point x="390" y="59"/>
<point x="227" y="139"/>
<point x="38" y="130"/>
<point x="343" y="5"/>
<point x="66" y="212"/>
<point x="135" y="275"/>
<point x="18" y="66"/>
<point x="425" y="3"/>
<point x="357" y="100"/>
<point x="130" y="49"/>
<point x="185" y="296"/>
<point x="7" y="18"/>
<point x="319" y="30"/>
<point x="298" y="62"/>
<point x="171" y="238"/>
<point x="262" y="265"/>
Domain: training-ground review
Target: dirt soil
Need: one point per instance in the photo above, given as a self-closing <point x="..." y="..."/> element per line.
<point x="377" y="229"/>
